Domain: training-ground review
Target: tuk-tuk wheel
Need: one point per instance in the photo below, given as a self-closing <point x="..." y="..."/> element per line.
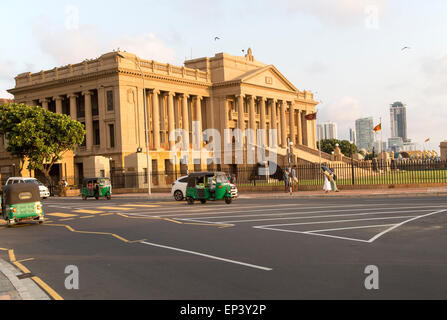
<point x="84" y="197"/>
<point x="97" y="198"/>
<point x="190" y="200"/>
<point x="203" y="201"/>
<point x="228" y="200"/>
<point x="11" y="223"/>
<point x="109" y="197"/>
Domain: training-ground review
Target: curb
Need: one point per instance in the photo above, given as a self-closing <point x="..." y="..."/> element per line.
<point x="25" y="289"/>
<point x="336" y="196"/>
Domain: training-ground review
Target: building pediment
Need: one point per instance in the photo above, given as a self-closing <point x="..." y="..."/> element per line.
<point x="268" y="77"/>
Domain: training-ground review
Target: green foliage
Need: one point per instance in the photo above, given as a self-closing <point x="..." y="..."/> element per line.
<point x="40" y="136"/>
<point x="328" y="145"/>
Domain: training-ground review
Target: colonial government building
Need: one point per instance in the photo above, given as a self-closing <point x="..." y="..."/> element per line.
<point x="106" y="95"/>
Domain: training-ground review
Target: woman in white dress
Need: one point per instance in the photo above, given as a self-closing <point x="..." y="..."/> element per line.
<point x="327" y="180"/>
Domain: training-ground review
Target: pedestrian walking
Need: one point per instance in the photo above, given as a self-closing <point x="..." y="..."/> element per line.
<point x="286" y="180"/>
<point x="294" y="178"/>
<point x="327" y="179"/>
<point x="334" y="181"/>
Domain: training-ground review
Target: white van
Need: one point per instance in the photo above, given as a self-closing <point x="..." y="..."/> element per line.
<point x="44" y="192"/>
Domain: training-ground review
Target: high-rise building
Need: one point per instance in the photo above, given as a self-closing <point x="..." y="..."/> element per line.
<point x="398" y="115"/>
<point x="364" y="133"/>
<point x="327" y="130"/>
<point x="352" y="137"/>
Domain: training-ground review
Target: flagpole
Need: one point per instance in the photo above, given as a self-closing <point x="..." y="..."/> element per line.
<point x="381" y="136"/>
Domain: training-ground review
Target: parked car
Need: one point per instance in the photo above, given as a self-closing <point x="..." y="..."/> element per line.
<point x="178" y="190"/>
<point x="44" y="192"/>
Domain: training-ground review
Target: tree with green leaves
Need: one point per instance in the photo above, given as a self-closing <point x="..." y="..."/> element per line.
<point x="38" y="135"/>
<point x="328" y="146"/>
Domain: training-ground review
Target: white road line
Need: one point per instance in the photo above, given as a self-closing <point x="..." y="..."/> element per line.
<point x="402" y="223"/>
<point x="316" y="234"/>
<point x="306" y="217"/>
<point x="349" y="228"/>
<point x="209" y="256"/>
<point x="332" y="221"/>
<point x="215" y="215"/>
<point x="310" y="212"/>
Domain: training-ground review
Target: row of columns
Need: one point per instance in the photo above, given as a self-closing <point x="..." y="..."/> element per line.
<point x="295" y="122"/>
<point x="197" y="114"/>
<point x="73" y="112"/>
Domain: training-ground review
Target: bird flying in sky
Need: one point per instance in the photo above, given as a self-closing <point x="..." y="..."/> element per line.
<point x="405" y="48"/>
<point x="216" y="38"/>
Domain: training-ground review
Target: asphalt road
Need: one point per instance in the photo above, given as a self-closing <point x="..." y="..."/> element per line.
<point x="130" y="248"/>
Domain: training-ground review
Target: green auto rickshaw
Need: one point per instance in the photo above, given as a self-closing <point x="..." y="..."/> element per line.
<point x="208" y="186"/>
<point x="96" y="188"/>
<point x="21" y="203"/>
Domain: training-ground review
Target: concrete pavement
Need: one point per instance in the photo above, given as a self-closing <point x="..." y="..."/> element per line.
<point x="13" y="288"/>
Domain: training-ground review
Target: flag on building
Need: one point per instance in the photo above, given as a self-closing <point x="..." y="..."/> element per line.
<point x="378" y="127"/>
<point x="311" y="116"/>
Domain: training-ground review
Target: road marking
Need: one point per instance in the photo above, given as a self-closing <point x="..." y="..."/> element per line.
<point x="107" y="214"/>
<point x="47" y="288"/>
<point x="349" y="228"/>
<point x="88" y="217"/>
<point x="36" y="279"/>
<point x="94" y="232"/>
<point x="69" y="219"/>
<point x="113" y="208"/>
<point x="212" y="224"/>
<point x="306" y="212"/>
<point x="313" y="217"/>
<point x="88" y="211"/>
<point x="402" y="223"/>
<point x="62" y="215"/>
<point x="208" y="256"/>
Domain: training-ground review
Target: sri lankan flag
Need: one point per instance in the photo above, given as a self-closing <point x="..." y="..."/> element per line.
<point x="378" y="127"/>
<point x="311" y="116"/>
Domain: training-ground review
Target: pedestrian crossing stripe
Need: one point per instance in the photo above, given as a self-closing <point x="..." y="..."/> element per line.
<point x="88" y="211"/>
<point x="61" y="215"/>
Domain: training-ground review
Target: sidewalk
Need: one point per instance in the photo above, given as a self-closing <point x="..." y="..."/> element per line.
<point x="360" y="193"/>
<point x="13" y="288"/>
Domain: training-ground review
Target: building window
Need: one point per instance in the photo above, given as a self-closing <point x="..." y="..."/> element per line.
<point x="52" y="105"/>
<point x="95" y="108"/>
<point x="245" y="106"/>
<point x="110" y="100"/>
<point x="112" y="135"/>
<point x="102" y="173"/>
<point x="96" y="135"/>
<point x="80" y="106"/>
<point x="85" y="136"/>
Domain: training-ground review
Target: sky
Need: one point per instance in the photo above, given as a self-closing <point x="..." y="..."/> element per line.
<point x="348" y="52"/>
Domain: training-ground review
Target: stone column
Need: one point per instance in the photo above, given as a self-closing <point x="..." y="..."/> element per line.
<point x="283" y="124"/>
<point x="102" y="115"/>
<point x="299" y="130"/>
<point x="273" y="124"/>
<point x="263" y="119"/>
<point x="252" y="113"/>
<point x="198" y="116"/>
<point x="305" y="132"/>
<point x="88" y="120"/>
<point x="240" y="111"/>
<point x="185" y="119"/>
<point x="171" y="120"/>
<point x="44" y="103"/>
<point x="156" y="118"/>
<point x="73" y="110"/>
<point x="58" y="100"/>
<point x="292" y="122"/>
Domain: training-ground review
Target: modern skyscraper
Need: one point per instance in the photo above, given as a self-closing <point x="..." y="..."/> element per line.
<point x="398" y="115"/>
<point x="364" y="133"/>
<point x="352" y="136"/>
<point x="327" y="130"/>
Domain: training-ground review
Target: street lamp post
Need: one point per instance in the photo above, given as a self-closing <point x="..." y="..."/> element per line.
<point x="146" y="125"/>
<point x="352" y="163"/>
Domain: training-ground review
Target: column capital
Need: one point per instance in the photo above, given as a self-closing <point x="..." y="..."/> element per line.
<point x="87" y="93"/>
<point x="242" y="95"/>
<point x="198" y="97"/>
<point x="72" y="95"/>
<point x="56" y="98"/>
<point x="185" y="95"/>
<point x="262" y="99"/>
<point x="155" y="91"/>
<point x="170" y="94"/>
<point x="44" y="100"/>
